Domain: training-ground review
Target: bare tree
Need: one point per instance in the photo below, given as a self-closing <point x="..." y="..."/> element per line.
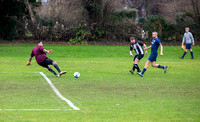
<point x="196" y="7"/>
<point x="67" y="12"/>
<point x="28" y="7"/>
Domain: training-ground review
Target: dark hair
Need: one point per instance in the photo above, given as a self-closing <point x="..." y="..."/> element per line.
<point x="39" y="41"/>
<point x="132" y="38"/>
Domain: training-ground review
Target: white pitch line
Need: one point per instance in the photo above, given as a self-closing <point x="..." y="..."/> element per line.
<point x="14" y="72"/>
<point x="58" y="93"/>
<point x="35" y="109"/>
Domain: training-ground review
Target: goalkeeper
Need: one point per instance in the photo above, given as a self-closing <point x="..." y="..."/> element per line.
<point x="40" y="55"/>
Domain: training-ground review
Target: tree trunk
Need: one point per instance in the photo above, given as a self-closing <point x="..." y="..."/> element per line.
<point x="28" y="7"/>
<point x="195" y="5"/>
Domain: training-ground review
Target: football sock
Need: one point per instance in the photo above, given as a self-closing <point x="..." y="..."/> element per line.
<point x="192" y="54"/>
<point x="144" y="70"/>
<point x="137" y="67"/>
<point x="56" y="66"/>
<point x="133" y="67"/>
<point x="184" y="54"/>
<point x="51" y="70"/>
<point x="160" y="66"/>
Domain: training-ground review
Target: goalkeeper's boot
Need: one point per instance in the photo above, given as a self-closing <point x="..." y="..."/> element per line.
<point x="181" y="57"/>
<point x="62" y="72"/>
<point x="140" y="74"/>
<point x="165" y="69"/>
<point x="58" y="75"/>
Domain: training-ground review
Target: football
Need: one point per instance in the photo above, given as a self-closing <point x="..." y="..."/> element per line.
<point x="76" y="74"/>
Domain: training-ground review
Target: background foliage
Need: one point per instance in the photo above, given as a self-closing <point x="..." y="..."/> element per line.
<point x="94" y="20"/>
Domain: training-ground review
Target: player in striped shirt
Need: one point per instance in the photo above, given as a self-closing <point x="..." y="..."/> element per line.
<point x="137" y="46"/>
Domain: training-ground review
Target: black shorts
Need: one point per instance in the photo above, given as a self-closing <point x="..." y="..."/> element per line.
<point x="46" y="62"/>
<point x="140" y="56"/>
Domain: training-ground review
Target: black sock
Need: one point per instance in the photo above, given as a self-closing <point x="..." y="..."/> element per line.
<point x="51" y="70"/>
<point x="137" y="67"/>
<point x="133" y="68"/>
<point x="56" y="66"/>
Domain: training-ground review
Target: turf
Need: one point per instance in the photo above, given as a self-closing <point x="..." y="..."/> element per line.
<point x="105" y="91"/>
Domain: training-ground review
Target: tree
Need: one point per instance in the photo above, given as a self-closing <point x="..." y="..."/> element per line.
<point x="12" y="14"/>
<point x="94" y="10"/>
<point x="28" y="7"/>
<point x="196" y="7"/>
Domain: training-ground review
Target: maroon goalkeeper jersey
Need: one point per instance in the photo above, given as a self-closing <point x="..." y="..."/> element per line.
<point x="38" y="53"/>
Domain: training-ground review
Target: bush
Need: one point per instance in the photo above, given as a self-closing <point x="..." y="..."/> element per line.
<point x="125" y="13"/>
<point x="166" y="31"/>
<point x="186" y="20"/>
<point x="81" y="35"/>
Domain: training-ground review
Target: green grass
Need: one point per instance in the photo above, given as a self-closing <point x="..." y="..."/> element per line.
<point x="105" y="91"/>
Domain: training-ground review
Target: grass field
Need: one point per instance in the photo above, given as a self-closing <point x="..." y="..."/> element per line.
<point x="105" y="91"/>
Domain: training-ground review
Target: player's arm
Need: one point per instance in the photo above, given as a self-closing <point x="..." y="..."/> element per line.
<point x="192" y="38"/>
<point x="29" y="63"/>
<point x="47" y="51"/>
<point x="161" y="50"/>
<point x="145" y="48"/>
<point x="131" y="54"/>
<point x="183" y="40"/>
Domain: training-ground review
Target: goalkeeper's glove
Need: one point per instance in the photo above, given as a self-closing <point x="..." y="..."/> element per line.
<point x="29" y="63"/>
<point x="49" y="51"/>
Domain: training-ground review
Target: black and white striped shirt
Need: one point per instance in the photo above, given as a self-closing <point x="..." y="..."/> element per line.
<point x="137" y="47"/>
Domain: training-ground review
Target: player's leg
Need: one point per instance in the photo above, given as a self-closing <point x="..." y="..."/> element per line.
<point x="48" y="61"/>
<point x="45" y="64"/>
<point x="139" y="57"/>
<point x="153" y="64"/>
<point x="182" y="57"/>
<point x="51" y="62"/>
<point x="52" y="71"/>
<point x="192" y="56"/>
<point x="145" y="68"/>
<point x="57" y="68"/>
<point x="136" y="65"/>
<point x="133" y="69"/>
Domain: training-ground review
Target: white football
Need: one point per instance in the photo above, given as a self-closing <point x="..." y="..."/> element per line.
<point x="76" y="74"/>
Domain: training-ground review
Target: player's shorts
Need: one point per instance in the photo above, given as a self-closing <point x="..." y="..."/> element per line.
<point x="188" y="46"/>
<point x="152" y="58"/>
<point x="46" y="62"/>
<point x="140" y="56"/>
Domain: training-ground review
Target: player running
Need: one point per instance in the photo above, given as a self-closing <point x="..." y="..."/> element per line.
<point x="188" y="39"/>
<point x="40" y="55"/>
<point x="154" y="52"/>
<point x="137" y="46"/>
